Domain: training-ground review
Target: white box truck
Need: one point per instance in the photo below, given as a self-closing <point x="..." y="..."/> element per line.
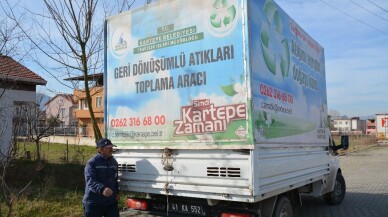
<point x="382" y="128"/>
<point x="218" y="108"/>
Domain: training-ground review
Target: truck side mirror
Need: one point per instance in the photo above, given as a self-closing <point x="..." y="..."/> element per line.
<point x="345" y="142"/>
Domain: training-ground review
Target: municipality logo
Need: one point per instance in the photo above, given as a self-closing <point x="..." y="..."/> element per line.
<point x="120" y="42"/>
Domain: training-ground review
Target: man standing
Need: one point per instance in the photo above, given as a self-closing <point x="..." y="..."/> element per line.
<point x="101" y="190"/>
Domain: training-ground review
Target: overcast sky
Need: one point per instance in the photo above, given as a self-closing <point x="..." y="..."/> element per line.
<point x="354" y="34"/>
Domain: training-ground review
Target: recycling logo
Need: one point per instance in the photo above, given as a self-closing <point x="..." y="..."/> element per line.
<point x="274" y="45"/>
<point x="223" y="17"/>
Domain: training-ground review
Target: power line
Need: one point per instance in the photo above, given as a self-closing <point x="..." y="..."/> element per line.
<point x="360" y="21"/>
<point x="378" y="6"/>
<point x="368" y="10"/>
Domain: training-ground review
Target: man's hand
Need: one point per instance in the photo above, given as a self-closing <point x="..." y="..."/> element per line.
<point x="107" y="192"/>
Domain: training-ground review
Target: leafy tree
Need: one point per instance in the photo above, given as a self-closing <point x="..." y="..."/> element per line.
<point x="53" y="121"/>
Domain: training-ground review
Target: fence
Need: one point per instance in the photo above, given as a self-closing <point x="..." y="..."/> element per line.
<point x="66" y="131"/>
<point x="357" y="142"/>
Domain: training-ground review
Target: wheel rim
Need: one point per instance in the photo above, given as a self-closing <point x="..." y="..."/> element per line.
<point x="284" y="213"/>
<point x="337" y="190"/>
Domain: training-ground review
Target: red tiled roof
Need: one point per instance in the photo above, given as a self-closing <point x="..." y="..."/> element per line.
<point x="11" y="69"/>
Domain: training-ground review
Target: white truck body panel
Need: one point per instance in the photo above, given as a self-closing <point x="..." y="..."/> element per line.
<point x="241" y="108"/>
<point x="245" y="176"/>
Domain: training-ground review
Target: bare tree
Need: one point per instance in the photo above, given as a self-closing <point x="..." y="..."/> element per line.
<point x="8" y="155"/>
<point x="10" y="194"/>
<point x="8" y="151"/>
<point x="82" y="42"/>
<point x="34" y="118"/>
<point x="13" y="40"/>
<point x="334" y="113"/>
<point x="70" y="34"/>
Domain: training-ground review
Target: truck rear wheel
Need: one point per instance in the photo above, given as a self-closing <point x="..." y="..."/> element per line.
<point x="283" y="208"/>
<point x="338" y="194"/>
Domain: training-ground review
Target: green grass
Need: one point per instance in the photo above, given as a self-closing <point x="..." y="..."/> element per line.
<point x="60" y="153"/>
<point x="281" y="125"/>
<point x="55" y="202"/>
<point x="57" y="185"/>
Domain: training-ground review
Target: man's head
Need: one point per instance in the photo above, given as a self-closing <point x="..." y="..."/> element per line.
<point x="105" y="147"/>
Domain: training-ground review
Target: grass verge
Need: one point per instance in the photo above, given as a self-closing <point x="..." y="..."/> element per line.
<point x="56" y="187"/>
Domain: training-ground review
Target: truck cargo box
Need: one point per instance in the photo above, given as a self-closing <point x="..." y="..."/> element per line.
<point x="220" y="100"/>
<point x="241" y="74"/>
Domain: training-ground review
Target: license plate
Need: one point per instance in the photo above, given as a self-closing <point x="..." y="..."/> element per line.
<point x="186" y="208"/>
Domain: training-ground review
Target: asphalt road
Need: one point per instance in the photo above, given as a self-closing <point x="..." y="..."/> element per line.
<point x="366" y="175"/>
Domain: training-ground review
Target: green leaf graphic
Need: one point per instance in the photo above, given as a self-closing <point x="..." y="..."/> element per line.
<point x="229" y="90"/>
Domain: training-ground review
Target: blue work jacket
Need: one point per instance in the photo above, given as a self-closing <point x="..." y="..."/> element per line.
<point x="99" y="174"/>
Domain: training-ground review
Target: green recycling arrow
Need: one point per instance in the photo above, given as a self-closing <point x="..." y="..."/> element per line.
<point x="274" y="22"/>
<point x="215" y="18"/>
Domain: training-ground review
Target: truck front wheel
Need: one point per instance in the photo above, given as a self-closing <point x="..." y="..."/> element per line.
<point x="283" y="208"/>
<point x="338" y="194"/>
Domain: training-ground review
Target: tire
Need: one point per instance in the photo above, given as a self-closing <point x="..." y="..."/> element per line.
<point x="283" y="208"/>
<point x="338" y="194"/>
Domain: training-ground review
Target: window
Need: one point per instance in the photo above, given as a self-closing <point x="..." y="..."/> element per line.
<point x="63" y="112"/>
<point x="83" y="105"/>
<point x="98" y="101"/>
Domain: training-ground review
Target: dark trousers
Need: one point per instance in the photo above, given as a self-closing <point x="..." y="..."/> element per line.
<point x="101" y="211"/>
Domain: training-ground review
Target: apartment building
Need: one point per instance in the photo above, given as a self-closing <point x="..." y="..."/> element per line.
<point x="81" y="113"/>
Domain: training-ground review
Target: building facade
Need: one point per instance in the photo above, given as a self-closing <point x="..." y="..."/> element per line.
<point x="62" y="107"/>
<point x="82" y="113"/>
<point x="342" y="125"/>
<point x="345" y="125"/>
<point x="17" y="87"/>
<point x="371" y="126"/>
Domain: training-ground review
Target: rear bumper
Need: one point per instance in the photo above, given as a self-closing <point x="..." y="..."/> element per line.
<point x="174" y="206"/>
